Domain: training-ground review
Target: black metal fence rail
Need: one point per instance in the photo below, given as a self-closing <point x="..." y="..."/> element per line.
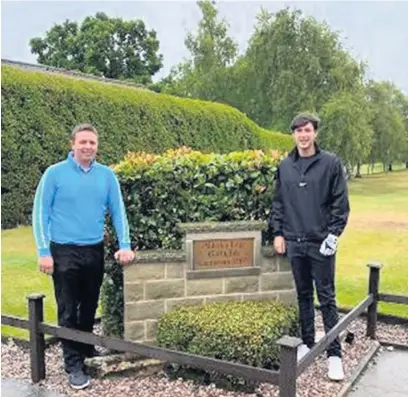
<point x="401" y="299"/>
<point x="285" y="378"/>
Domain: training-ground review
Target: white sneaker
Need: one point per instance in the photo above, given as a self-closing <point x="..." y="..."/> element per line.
<point x="335" y="369"/>
<point x="302" y="351"/>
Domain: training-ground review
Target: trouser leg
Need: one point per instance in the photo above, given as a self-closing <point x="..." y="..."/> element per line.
<point x="91" y="280"/>
<point x="66" y="278"/>
<point x="323" y="271"/>
<point x="302" y="274"/>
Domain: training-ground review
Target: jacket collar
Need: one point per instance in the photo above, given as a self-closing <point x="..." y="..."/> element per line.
<point x="294" y="154"/>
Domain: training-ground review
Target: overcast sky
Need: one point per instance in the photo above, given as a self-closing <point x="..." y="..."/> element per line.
<point x="373" y="31"/>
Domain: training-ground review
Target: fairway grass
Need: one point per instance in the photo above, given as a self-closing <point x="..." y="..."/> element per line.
<point x="377" y="232"/>
<point x="20" y="277"/>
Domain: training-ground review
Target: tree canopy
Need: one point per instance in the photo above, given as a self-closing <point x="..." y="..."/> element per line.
<point x="104" y="46"/>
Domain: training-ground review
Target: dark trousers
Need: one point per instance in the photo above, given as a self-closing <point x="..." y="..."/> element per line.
<point x="78" y="274"/>
<point x="308" y="266"/>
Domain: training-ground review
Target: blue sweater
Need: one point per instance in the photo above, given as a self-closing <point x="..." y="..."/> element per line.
<point x="70" y="206"/>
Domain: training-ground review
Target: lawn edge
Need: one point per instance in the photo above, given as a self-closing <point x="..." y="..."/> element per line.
<point x="397" y="346"/>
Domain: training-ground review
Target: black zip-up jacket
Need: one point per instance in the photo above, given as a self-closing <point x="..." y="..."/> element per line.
<point x="309" y="205"/>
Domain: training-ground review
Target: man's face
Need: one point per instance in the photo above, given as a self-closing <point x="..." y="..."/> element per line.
<point x="305" y="136"/>
<point x="85" y="146"/>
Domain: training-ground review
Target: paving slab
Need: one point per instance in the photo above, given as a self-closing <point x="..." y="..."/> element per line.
<point x="15" y="388"/>
<point x="388" y="377"/>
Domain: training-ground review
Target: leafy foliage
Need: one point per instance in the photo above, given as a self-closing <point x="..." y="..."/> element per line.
<point x="109" y="47"/>
<point x="347" y="127"/>
<point x="244" y="332"/>
<point x="389" y="108"/>
<point x="292" y="63"/>
<point x="183" y="185"/>
<point x="39" y="111"/>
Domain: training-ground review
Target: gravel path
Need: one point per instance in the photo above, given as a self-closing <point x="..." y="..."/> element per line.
<point x="312" y="383"/>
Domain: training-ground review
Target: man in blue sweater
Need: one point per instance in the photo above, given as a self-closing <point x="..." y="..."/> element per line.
<point x="69" y="211"/>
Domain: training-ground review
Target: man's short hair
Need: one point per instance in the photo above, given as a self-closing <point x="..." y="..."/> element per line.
<point x="83" y="127"/>
<point x="302" y="119"/>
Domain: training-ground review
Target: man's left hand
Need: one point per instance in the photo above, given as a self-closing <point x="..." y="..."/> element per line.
<point x="329" y="245"/>
<point x="124" y="256"/>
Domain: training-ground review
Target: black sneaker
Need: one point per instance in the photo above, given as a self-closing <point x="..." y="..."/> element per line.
<point x="78" y="380"/>
<point x="92" y="353"/>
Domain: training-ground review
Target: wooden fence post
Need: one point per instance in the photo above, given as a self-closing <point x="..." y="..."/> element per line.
<point x="373" y="284"/>
<point x="37" y="340"/>
<point x="288" y="365"/>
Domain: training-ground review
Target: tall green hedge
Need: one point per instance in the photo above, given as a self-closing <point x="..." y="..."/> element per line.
<point x="161" y="191"/>
<point x="39" y="111"/>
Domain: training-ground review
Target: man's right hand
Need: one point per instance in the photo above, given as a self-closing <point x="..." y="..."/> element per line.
<point x="46" y="264"/>
<point x="279" y="245"/>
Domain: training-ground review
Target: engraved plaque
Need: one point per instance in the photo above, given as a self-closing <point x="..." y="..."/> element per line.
<point x="223" y="253"/>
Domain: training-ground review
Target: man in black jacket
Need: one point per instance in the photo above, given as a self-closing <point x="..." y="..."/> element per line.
<point x="309" y="213"/>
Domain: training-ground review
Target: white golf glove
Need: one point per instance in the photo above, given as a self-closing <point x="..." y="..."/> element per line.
<point x="329" y="245"/>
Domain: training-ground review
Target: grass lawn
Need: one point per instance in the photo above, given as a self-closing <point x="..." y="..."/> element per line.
<point x="377" y="231"/>
<point x="20" y="277"/>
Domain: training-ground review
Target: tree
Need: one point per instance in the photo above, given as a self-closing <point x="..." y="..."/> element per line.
<point x="346" y="128"/>
<point x="388" y="124"/>
<point x="296" y="63"/>
<point x="401" y="102"/>
<point x="103" y="46"/>
<point x="206" y="74"/>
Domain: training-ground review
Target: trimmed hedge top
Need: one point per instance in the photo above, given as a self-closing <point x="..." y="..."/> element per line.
<point x="244" y="332"/>
<point x="39" y="111"/>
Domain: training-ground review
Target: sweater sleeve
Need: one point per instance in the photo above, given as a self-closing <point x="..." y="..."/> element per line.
<point x="43" y="200"/>
<point x="118" y="213"/>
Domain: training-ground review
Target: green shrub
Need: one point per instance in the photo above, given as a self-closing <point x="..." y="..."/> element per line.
<point x="161" y="191"/>
<point x="243" y="332"/>
<point x="40" y="109"/>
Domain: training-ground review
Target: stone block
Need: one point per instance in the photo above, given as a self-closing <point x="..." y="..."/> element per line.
<point x="269" y="264"/>
<point x="133" y="291"/>
<point x="145" y="310"/>
<point x="172" y="303"/>
<point x="175" y="270"/>
<point x="223" y="298"/>
<point x="164" y="289"/>
<point x="241" y="284"/>
<point x="276" y="281"/>
<point x="204" y="287"/>
<point x="284" y="264"/>
<point x="260" y="296"/>
<point x="288" y="297"/>
<point x="151" y="329"/>
<point x="135" y="330"/>
<point x="143" y="271"/>
<point x="222" y="273"/>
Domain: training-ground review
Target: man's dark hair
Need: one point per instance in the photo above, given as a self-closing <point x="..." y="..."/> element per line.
<point x="302" y="119"/>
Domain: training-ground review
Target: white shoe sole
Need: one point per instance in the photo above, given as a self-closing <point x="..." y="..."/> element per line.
<point x="336" y="379"/>
<point x="80" y="387"/>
